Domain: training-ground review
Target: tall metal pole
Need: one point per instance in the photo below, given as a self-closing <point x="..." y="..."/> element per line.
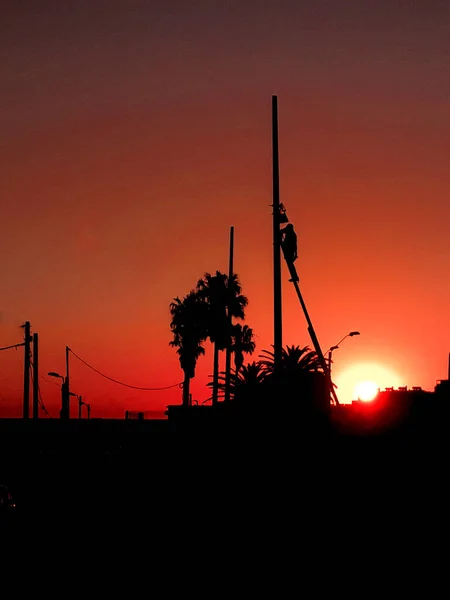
<point x="80" y="404"/>
<point x="35" y="376"/>
<point x="67" y="366"/>
<point x="230" y="320"/>
<point x="26" y="371"/>
<point x="67" y="386"/>
<point x="277" y="307"/>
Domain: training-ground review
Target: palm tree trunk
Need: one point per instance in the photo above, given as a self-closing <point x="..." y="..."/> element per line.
<point x="238" y="362"/>
<point x="186" y="383"/>
<point x="215" y="375"/>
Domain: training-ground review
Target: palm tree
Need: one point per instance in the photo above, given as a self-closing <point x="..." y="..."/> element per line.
<point x="300" y="372"/>
<point x="189" y="331"/>
<point x="245" y="383"/>
<point x="220" y="293"/>
<point x="295" y="361"/>
<point x="242" y="342"/>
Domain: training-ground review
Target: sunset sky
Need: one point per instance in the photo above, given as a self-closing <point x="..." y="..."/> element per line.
<point x="135" y="133"/>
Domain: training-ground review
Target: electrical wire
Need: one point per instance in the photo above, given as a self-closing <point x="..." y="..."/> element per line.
<point x="13" y="346"/>
<point x="134" y="387"/>
<point x="41" y="402"/>
<point x="50" y="381"/>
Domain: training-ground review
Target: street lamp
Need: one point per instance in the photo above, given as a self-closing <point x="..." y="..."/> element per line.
<point x="80" y="404"/>
<point x="53" y="374"/>
<point x="65" y="389"/>
<point x="65" y="409"/>
<point x="330" y="351"/>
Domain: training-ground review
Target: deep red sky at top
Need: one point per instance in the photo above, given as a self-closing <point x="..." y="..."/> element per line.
<point x="134" y="134"/>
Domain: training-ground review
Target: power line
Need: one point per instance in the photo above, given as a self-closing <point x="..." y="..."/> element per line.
<point x="41" y="402"/>
<point x="51" y="381"/>
<point x="13" y="346"/>
<point x="134" y="387"/>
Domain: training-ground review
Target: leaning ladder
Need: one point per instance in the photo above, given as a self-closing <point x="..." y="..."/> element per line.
<point x="312" y="333"/>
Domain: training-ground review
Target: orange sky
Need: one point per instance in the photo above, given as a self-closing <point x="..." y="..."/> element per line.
<point x="134" y="136"/>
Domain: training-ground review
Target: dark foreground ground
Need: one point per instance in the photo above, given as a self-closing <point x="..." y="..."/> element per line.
<point x="136" y="472"/>
<point x="280" y="495"/>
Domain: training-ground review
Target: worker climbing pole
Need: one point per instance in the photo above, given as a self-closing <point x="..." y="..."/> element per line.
<point x="290" y="253"/>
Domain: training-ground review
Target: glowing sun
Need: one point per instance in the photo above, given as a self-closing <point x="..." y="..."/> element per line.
<point x="365" y="390"/>
<point x="362" y="380"/>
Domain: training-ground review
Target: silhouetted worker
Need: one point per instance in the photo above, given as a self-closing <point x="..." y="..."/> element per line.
<point x="289" y="243"/>
<point x="289" y="247"/>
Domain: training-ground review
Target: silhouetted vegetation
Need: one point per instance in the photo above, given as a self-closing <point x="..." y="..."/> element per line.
<point x="242" y="342"/>
<point x="302" y="386"/>
<point x="221" y="295"/>
<point x="189" y="329"/>
<point x="202" y="315"/>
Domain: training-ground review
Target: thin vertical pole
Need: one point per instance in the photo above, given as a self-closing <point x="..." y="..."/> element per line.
<point x="80" y="404"/>
<point x="67" y="386"/>
<point x="230" y="320"/>
<point x="64" y="396"/>
<point x="277" y="307"/>
<point x="26" y="372"/>
<point x="35" y="376"/>
<point x="67" y="366"/>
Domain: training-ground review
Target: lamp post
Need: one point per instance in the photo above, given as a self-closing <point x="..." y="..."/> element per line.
<point x="80" y="404"/>
<point x="65" y="408"/>
<point x="65" y="389"/>
<point x="330" y="350"/>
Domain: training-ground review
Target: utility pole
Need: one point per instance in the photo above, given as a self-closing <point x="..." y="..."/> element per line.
<point x="65" y="390"/>
<point x="35" y="376"/>
<point x="230" y="320"/>
<point x="277" y="307"/>
<point x="26" y="370"/>
<point x="67" y="387"/>
<point x="64" y="413"/>
<point x="67" y="367"/>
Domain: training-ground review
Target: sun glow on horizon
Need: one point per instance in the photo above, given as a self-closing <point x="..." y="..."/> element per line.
<point x="365" y="390"/>
<point x="362" y="380"/>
